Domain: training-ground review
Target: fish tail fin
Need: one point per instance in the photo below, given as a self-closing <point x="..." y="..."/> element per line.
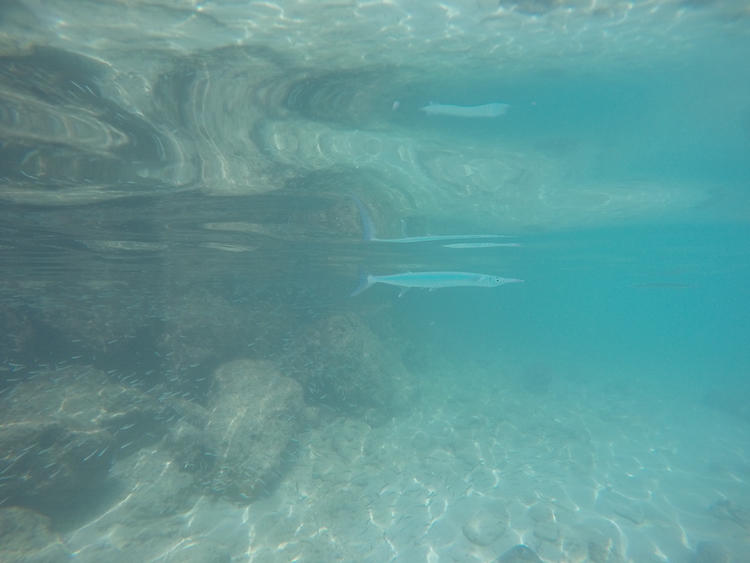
<point x="364" y="282"/>
<point x="368" y="228"/>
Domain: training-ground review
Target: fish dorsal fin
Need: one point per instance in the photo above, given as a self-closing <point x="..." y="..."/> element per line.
<point x="403" y="291"/>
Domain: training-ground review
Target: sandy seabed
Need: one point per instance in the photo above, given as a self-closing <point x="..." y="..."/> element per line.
<point x="606" y="475"/>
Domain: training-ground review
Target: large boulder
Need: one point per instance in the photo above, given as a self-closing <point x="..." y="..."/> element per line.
<point x="254" y="411"/>
<point x="519" y="554"/>
<point x="487" y="524"/>
<point x="83" y="398"/>
<point x="45" y="463"/>
<point x="343" y="364"/>
<point x="26" y="537"/>
<point x="62" y="430"/>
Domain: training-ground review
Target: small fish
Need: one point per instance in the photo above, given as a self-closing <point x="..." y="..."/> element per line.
<point x="431" y="280"/>
<point x="487" y="110"/>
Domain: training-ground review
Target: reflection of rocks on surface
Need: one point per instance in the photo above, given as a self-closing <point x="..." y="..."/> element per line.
<point x="25" y="537"/>
<point x="254" y="413"/>
<point x="342" y="363"/>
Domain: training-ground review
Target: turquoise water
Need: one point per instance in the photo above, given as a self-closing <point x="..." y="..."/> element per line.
<point x="185" y="375"/>
<point x="656" y="298"/>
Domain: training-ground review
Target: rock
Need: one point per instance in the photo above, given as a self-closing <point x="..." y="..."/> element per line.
<point x="146" y="512"/>
<point x="80" y="422"/>
<point x="199" y="329"/>
<point x="46" y="463"/>
<point x="598" y="552"/>
<point x="203" y="552"/>
<point x="187" y="445"/>
<point x="17" y="334"/>
<point x="519" y="554"/>
<point x="25" y="536"/>
<point x="84" y="398"/>
<point x="711" y="552"/>
<point x="153" y="488"/>
<point x="99" y="324"/>
<point x="547" y="531"/>
<point x="730" y="511"/>
<point x="487" y="525"/>
<point x="254" y="411"/>
<point x="730" y="402"/>
<point x="342" y="363"/>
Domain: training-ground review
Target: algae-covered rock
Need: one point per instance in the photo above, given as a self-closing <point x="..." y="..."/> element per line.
<point x="254" y="411"/>
<point x="342" y="363"/>
<point x="25" y="536"/>
<point x="519" y="554"/>
<point x="487" y="524"/>
<point x="83" y="398"/>
<point x="46" y="463"/>
<point x="62" y="430"/>
<point x="711" y="552"/>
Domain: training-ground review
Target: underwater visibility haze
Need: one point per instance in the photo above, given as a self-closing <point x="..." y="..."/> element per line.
<point x="387" y="281"/>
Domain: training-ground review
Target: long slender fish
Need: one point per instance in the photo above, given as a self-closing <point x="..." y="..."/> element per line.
<point x="431" y="280"/>
<point x="435" y="238"/>
<point x="481" y="244"/>
<point x="368" y="230"/>
<point x="487" y="110"/>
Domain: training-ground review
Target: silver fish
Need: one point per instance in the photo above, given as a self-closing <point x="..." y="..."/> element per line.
<point x="487" y="110"/>
<point x="431" y="280"/>
<point x="480" y="244"/>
